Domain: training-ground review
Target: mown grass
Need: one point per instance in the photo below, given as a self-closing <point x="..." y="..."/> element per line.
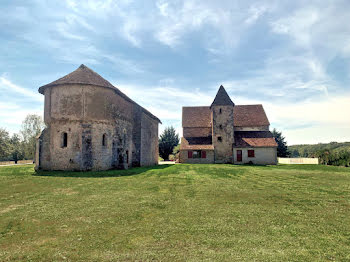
<point x="176" y="213"/>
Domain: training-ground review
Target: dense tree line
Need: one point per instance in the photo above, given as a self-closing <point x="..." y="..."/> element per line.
<point x="337" y="154"/>
<point x="22" y="145"/>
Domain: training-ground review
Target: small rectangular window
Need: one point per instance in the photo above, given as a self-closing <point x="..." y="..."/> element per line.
<point x="64" y="140"/>
<point x="219" y="138"/>
<point x="251" y="153"/>
<point x="104" y="142"/>
<point x="197" y="154"/>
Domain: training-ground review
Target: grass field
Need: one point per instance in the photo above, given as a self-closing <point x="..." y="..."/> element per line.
<point x="176" y="213"/>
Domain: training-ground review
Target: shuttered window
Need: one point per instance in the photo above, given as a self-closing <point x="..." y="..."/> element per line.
<point x="251" y="153"/>
<point x="204" y="154"/>
<point x="189" y="154"/>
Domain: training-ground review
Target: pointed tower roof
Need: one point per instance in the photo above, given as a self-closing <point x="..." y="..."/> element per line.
<point x="83" y="75"/>
<point x="222" y="98"/>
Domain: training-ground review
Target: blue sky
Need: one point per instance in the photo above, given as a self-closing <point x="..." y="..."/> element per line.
<point x="290" y="56"/>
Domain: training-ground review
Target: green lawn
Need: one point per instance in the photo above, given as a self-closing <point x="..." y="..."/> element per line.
<point x="176" y="213"/>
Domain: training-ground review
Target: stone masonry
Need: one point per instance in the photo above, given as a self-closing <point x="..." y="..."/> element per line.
<point x="92" y="125"/>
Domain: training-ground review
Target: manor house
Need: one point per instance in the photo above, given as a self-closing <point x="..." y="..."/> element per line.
<point x="92" y="125"/>
<point x="227" y="133"/>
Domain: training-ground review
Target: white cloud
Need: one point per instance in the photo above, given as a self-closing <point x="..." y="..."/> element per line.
<point x="13" y="114"/>
<point x="255" y="12"/>
<point x="267" y="52"/>
<point x="299" y="25"/>
<point x="179" y="20"/>
<point x="312" y="122"/>
<point x="7" y="86"/>
<point x="14" y="111"/>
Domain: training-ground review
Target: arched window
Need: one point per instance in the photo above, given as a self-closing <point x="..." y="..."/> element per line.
<point x="64" y="139"/>
<point x="104" y="140"/>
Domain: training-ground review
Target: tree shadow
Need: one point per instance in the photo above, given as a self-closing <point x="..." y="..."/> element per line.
<point x="98" y="174"/>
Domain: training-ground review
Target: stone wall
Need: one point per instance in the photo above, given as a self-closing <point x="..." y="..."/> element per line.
<point x="222" y="121"/>
<point x="263" y="156"/>
<point x="136" y="133"/>
<point x="19" y="162"/>
<point x="149" y="141"/>
<point x="298" y="160"/>
<point x="208" y="160"/>
<point x="87" y="113"/>
<point x="85" y="103"/>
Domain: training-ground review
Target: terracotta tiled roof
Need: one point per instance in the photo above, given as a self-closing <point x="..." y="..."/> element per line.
<point x="244" y="115"/>
<point x="85" y="76"/>
<point x="254" y="139"/>
<point x="222" y="98"/>
<point x="82" y="75"/>
<point x="196" y="116"/>
<point x="250" y="115"/>
<point x="196" y="143"/>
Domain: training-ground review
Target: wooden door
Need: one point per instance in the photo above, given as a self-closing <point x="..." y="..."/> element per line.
<point x="239" y="155"/>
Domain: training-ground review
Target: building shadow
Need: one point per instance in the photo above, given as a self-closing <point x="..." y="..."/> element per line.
<point x="99" y="174"/>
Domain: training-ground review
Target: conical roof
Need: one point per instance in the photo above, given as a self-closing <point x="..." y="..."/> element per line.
<point x="222" y="98"/>
<point x="83" y="75"/>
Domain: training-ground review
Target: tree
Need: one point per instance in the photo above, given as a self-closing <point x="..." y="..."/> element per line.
<point x="175" y="154"/>
<point x="282" y="149"/>
<point x="167" y="141"/>
<point x="5" y="145"/>
<point x="17" y="152"/>
<point x="31" y="128"/>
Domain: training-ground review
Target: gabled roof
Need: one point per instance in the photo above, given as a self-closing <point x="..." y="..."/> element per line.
<point x="85" y="76"/>
<point x="196" y="116"/>
<point x="243" y="116"/>
<point x="222" y="98"/>
<point x="250" y="115"/>
<point x="196" y="143"/>
<point x="254" y="139"/>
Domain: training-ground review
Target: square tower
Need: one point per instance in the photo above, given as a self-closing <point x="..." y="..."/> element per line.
<point x="222" y="127"/>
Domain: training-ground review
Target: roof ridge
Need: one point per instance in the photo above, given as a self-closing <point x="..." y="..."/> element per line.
<point x="251" y="105"/>
<point x="195" y="106"/>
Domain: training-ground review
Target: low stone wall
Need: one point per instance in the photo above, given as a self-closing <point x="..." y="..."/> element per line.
<point x="19" y="162"/>
<point x="298" y="161"/>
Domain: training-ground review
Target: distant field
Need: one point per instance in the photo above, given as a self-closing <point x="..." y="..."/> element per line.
<point x="176" y="213"/>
